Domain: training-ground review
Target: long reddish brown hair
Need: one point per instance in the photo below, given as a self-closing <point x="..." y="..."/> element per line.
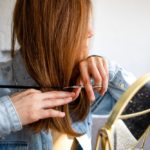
<point x="50" y="34"/>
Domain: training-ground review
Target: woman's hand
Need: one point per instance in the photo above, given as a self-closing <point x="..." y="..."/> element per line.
<point x="94" y="67"/>
<point x="33" y="105"/>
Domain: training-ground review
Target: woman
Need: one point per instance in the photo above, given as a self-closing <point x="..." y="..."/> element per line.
<point x="53" y="37"/>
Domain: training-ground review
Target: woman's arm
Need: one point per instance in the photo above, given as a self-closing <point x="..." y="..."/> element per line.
<point x="30" y="106"/>
<point x="9" y="120"/>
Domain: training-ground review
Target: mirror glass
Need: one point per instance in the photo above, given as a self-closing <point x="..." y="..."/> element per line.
<point x="140" y="102"/>
<point x="129" y="129"/>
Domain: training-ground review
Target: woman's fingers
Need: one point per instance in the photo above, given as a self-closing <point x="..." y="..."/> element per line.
<point x="56" y="95"/>
<point x="104" y="75"/>
<point x="99" y="73"/>
<point x="95" y="73"/>
<point x="85" y="75"/>
<point x="105" y="64"/>
<point x="19" y="95"/>
<point x="77" y="90"/>
<point x="96" y="68"/>
<point x="49" y="103"/>
<point x="45" y="95"/>
<point x="51" y="113"/>
<point x="51" y="95"/>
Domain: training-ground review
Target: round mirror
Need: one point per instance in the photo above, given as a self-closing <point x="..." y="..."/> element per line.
<point x="129" y="122"/>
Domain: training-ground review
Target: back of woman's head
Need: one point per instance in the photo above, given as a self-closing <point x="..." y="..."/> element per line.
<point x="50" y="34"/>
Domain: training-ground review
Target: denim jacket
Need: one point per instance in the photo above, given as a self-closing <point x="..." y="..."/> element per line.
<point x="13" y="136"/>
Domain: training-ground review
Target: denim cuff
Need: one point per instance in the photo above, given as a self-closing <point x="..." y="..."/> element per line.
<point x="15" y="123"/>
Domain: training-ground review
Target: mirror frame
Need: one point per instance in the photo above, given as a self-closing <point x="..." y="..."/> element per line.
<point x="118" y="109"/>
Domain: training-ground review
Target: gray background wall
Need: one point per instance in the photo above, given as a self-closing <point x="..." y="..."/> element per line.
<point x="122" y="31"/>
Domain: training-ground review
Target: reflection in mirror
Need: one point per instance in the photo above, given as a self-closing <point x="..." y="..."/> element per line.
<point x="139" y="103"/>
<point x="129" y="122"/>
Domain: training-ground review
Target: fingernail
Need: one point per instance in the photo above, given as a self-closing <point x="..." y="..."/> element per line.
<point x="69" y="99"/>
<point x="92" y="97"/>
<point x="62" y="114"/>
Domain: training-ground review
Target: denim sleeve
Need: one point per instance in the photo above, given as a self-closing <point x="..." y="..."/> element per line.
<point x="119" y="80"/>
<point x="9" y="119"/>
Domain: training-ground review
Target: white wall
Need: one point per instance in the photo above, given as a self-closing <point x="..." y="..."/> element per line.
<point x="6" y="8"/>
<point x="122" y="32"/>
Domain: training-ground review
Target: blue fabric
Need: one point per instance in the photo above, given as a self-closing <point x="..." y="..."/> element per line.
<point x="13" y="135"/>
<point x="13" y="145"/>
